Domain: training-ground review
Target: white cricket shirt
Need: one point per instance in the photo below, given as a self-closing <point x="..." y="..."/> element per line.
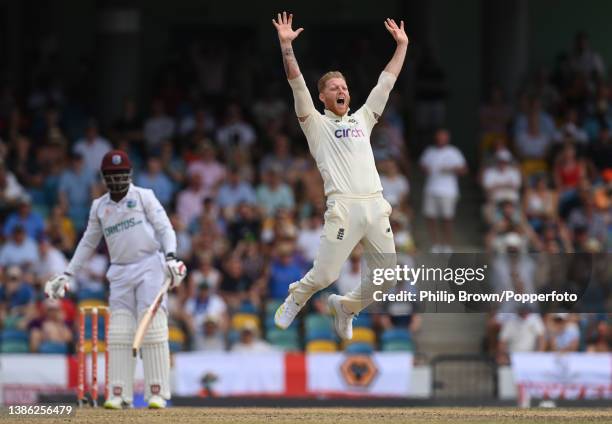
<point x="135" y="227"/>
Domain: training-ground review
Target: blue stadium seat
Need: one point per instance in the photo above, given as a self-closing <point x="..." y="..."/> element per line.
<point x="53" y="347"/>
<point x="362" y="320"/>
<point x="247" y="308"/>
<point x="16" y="346"/>
<point x="398" y="346"/>
<point x="360" y="348"/>
<point x="13" y="335"/>
<point x="396" y="334"/>
<point x="317" y="322"/>
<point x="320" y="334"/>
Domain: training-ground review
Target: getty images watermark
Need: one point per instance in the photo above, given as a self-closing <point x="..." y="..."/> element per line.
<point x="457" y="276"/>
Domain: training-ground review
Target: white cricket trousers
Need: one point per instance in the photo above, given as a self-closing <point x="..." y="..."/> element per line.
<point x="349" y="220"/>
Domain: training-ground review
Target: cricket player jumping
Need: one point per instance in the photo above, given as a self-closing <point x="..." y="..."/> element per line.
<point x="356" y="210"/>
<point x="136" y="229"/>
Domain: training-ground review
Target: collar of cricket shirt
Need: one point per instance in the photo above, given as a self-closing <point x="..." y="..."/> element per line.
<point x="332" y="115"/>
<point x="124" y="198"/>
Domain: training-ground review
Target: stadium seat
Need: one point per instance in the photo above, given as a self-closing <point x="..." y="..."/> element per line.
<point x="362" y="320"/>
<point x="271" y="306"/>
<point x="175" y="346"/>
<point x="240" y="319"/>
<point x="91" y="303"/>
<point x="176" y="338"/>
<point x="314" y="346"/>
<point x="247" y="308"/>
<point x="317" y="322"/>
<point x="11" y="335"/>
<point x="17" y="346"/>
<point x="88" y="294"/>
<point x="398" y="346"/>
<point x="53" y="347"/>
<point x="322" y="334"/>
<point x="101" y="346"/>
<point x="287" y="340"/>
<point x="396" y="334"/>
<point x="360" y="348"/>
<point x="11" y="322"/>
<point x="365" y="335"/>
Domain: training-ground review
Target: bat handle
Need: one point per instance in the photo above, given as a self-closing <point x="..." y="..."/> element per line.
<point x="134" y="352"/>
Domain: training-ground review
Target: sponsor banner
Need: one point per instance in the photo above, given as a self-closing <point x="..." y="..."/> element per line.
<point x="22" y="377"/>
<point x="381" y="374"/>
<point x="229" y="374"/>
<point x="563" y="375"/>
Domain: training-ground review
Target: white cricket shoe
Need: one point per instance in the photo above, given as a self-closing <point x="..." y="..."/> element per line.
<point x="114" y="402"/>
<point x="157" y="402"/>
<point x="286" y="313"/>
<point x="343" y="321"/>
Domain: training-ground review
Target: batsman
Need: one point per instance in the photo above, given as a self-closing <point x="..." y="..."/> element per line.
<point x="142" y="245"/>
<point x="356" y="209"/>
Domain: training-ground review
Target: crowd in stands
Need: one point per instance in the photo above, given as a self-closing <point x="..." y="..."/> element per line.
<point x="547" y="176"/>
<point x="246" y="201"/>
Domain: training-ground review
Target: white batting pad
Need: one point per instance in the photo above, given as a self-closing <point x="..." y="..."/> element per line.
<point x="156" y="357"/>
<point x="121" y="362"/>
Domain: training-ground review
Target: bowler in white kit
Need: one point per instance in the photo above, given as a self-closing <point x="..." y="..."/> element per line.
<point x="356" y="209"/>
<point x="142" y="245"/>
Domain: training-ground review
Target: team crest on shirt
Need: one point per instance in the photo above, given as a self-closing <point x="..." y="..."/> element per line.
<point x="131" y="203"/>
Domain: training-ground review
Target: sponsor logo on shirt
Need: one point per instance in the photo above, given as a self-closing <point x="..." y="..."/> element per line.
<point x="121" y="226"/>
<point x="131" y="203"/>
<point x="349" y="132"/>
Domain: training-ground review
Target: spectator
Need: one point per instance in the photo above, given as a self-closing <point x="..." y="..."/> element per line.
<point x="246" y="225"/>
<point x="442" y="163"/>
<point x="92" y="147"/>
<point x="532" y="145"/>
<point x="60" y="230"/>
<point x="273" y="193"/>
<point x="281" y="158"/>
<point x="284" y="270"/>
<point x="25" y="217"/>
<point x="16" y="293"/>
<point x="235" y="131"/>
<point x="234" y="192"/>
<point x="207" y="168"/>
<point x="395" y="185"/>
<point x="521" y="332"/>
<point x="158" y="127"/>
<point x="189" y="201"/>
<point x="563" y="334"/>
<point x="52" y="328"/>
<point x="10" y="189"/>
<point x="501" y="182"/>
<point x="309" y="237"/>
<point x="350" y="275"/>
<point x="584" y="59"/>
<point x="205" y="304"/>
<point x="570" y="129"/>
<point x="539" y="203"/>
<point x="235" y="284"/>
<point x="495" y="115"/>
<point x="208" y="337"/>
<point x="19" y="250"/>
<point x="249" y="341"/>
<point x="155" y="179"/>
<point x="52" y="260"/>
<point x="129" y="124"/>
<point x="76" y="186"/>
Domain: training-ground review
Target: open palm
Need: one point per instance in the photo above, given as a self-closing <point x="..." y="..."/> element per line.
<point x="283" y="26"/>
<point x="398" y="33"/>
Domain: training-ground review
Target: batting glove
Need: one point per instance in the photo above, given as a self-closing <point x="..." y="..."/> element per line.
<point x="175" y="270"/>
<point x="56" y="287"/>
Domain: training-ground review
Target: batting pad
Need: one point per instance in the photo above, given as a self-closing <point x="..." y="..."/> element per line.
<point x="156" y="357"/>
<point x="121" y="362"/>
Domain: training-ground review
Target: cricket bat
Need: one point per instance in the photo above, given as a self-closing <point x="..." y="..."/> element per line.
<point x="148" y="317"/>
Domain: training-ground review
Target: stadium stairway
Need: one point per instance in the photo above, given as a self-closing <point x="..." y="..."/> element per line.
<point x="451" y="333"/>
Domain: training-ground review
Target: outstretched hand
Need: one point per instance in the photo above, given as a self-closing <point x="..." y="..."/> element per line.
<point x="283" y="26"/>
<point x="397" y="32"/>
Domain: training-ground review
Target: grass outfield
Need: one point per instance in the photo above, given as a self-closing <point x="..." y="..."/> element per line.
<point x="333" y="416"/>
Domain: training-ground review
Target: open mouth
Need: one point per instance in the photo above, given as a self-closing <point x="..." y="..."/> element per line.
<point x="340" y="101"/>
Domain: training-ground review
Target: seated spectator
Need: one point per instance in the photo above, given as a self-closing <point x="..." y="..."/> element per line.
<point x="51" y="328"/>
<point x="597" y="334"/>
<point x="280" y="158"/>
<point x="563" y="334"/>
<point x="235" y="284"/>
<point x="19" y="250"/>
<point x="539" y="203"/>
<point x="521" y="332"/>
<point x="25" y="217"/>
<point x="309" y="237"/>
<point x="350" y="275"/>
<point x="204" y="304"/>
<point x="15" y="292"/>
<point x="158" y="127"/>
<point x="600" y="151"/>
<point x="532" y="146"/>
<point x="273" y="193"/>
<point x="270" y="106"/>
<point x="52" y="261"/>
<point x="209" y="337"/>
<point x="249" y="341"/>
<point x="234" y="192"/>
<point x="585" y="60"/>
<point x="570" y="130"/>
<point x="395" y="185"/>
<point x="92" y="147"/>
<point x="189" y="202"/>
<point x="569" y="171"/>
<point x="61" y="231"/>
<point x="501" y="182"/>
<point x="206" y="166"/>
<point x="286" y="268"/>
<point x="129" y="124"/>
<point x="205" y="273"/>
<point x="155" y="179"/>
<point x="495" y="117"/>
<point x="10" y="189"/>
<point x="235" y="131"/>
<point x="75" y="189"/>
<point x="535" y="118"/>
<point x="197" y="125"/>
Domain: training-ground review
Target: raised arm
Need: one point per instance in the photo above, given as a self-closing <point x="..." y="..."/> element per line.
<point x="380" y="93"/>
<point x="399" y="35"/>
<point x="303" y="101"/>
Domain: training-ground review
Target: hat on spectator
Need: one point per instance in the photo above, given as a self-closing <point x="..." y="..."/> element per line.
<point x="513" y="240"/>
<point x="13" y="272"/>
<point x="561" y="315"/>
<point x="503" y="156"/>
<point x="249" y="325"/>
